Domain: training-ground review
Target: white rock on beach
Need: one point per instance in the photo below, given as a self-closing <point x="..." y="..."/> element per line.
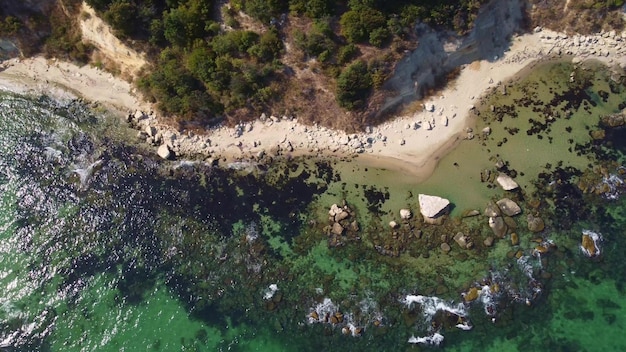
<point x="506" y="182"/>
<point x="164" y="151"/>
<point x="432" y="206"/>
<point x="405" y="214"/>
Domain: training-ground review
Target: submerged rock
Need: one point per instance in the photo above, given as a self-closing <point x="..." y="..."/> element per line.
<point x="514" y="239"/>
<point x="461" y="240"/>
<point x="470" y="213"/>
<point x="488" y="242"/>
<point x="535" y="223"/>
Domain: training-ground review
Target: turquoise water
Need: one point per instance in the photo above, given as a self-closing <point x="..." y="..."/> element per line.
<point x="104" y="247"/>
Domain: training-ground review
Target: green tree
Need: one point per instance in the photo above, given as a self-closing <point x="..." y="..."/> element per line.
<point x="353" y="85"/>
<point x="312" y="8"/>
<point x="356" y="25"/>
<point x="121" y="16"/>
<point x="270" y="46"/>
<point x="264" y="10"/>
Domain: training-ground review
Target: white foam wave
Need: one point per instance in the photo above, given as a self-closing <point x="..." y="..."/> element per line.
<point x="614" y="182"/>
<point x="430" y="305"/>
<point x="435" y="339"/>
<point x="322" y="309"/>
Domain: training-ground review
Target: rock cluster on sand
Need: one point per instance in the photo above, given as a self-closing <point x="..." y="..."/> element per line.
<point x="500" y="216"/>
<point x="343" y="227"/>
<point x="605" y="44"/>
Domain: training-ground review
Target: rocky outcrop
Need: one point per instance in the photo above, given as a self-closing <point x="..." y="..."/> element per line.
<point x="602" y="45"/>
<point x="432" y="207"/>
<point x="614" y="120"/>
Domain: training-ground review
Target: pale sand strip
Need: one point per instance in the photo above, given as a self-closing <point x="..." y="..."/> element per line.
<point x="397" y="144"/>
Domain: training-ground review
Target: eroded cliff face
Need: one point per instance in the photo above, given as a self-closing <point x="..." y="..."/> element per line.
<point x="35" y="18"/>
<point x="439" y="53"/>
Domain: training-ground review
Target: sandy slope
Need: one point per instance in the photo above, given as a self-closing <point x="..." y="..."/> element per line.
<point x="411" y="143"/>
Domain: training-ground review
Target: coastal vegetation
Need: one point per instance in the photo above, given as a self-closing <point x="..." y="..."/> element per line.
<point x="229" y="61"/>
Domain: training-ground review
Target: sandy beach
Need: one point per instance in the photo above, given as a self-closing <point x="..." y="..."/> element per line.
<point x="412" y="143"/>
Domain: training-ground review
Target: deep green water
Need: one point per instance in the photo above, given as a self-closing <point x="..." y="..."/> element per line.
<point x="104" y="247"/>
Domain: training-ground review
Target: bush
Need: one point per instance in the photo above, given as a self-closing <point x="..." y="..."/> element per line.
<point x="347" y="53"/>
<point x="379" y="36"/>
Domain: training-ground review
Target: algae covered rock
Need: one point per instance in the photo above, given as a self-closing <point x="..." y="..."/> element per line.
<point x="471" y="294"/>
<point x="535" y="223"/>
<point x="590" y="243"/>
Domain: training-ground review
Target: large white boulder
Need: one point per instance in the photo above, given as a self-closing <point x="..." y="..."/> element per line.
<point x="506" y="182"/>
<point x="432" y="206"/>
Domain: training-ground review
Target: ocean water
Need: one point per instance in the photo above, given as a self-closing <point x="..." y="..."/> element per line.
<point x="105" y="247"/>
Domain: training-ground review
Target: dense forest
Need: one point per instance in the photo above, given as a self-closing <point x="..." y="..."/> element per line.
<point x="213" y="59"/>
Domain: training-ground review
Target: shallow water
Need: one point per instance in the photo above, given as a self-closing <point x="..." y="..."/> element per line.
<point x="106" y="247"/>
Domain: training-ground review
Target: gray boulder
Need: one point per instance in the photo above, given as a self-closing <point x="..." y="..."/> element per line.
<point x="509" y="207"/>
<point x="498" y="226"/>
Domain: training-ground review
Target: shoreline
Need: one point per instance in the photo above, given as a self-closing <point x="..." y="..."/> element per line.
<point x="412" y="144"/>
